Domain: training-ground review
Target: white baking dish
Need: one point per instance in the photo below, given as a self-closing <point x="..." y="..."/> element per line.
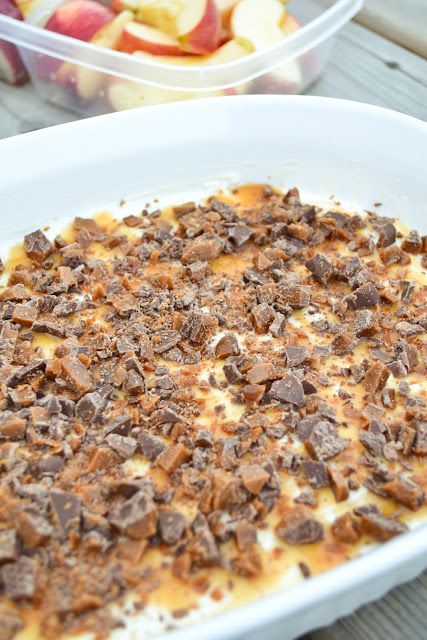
<point x="361" y="154"/>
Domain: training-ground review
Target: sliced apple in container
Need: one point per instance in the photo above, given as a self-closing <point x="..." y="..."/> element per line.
<point x="124" y="94"/>
<point x="11" y="68"/>
<point x="142" y="37"/>
<point x="231" y="50"/>
<point x="162" y="14"/>
<point x="287" y="78"/>
<point x="89" y="81"/>
<point x="258" y="20"/>
<point x="225" y="8"/>
<point x="199" y="26"/>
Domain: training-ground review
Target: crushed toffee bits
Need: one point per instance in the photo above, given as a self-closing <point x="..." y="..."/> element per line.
<point x="218" y="394"/>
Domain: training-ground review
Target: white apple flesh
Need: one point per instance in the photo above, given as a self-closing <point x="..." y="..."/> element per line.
<point x="258" y="20"/>
<point x="199" y="27"/>
<point x="232" y="50"/>
<point x="142" y="37"/>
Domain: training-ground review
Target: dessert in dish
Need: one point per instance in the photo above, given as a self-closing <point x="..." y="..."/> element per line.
<point x="202" y="404"/>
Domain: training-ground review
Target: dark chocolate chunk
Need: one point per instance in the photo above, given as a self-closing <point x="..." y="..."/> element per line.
<point x="136" y="518"/>
<point x="203" y="438"/>
<point x="37" y="246"/>
<point x="151" y="446"/>
<point x="164" y="340"/>
<point x="295" y="356"/>
<point x="373" y="442"/>
<point x="67" y="508"/>
<point x="305" y="426"/>
<point x="299" y="526"/>
<point x="232" y="373"/>
<point x="405" y="491"/>
<point x="316" y="472"/>
<point x="240" y="234"/>
<point x="197" y="327"/>
<point x="387" y="235"/>
<point x="320" y="267"/>
<point x="172" y="525"/>
<point x="227" y="346"/>
<point x="381" y="527"/>
<point x="365" y="323"/>
<point x="412" y="243"/>
<point x="8" y="546"/>
<point x="90" y="407"/>
<point x="262" y="315"/>
<point x="420" y="446"/>
<point x="123" y="445"/>
<point x="324" y="441"/>
<point x="49" y="326"/>
<point x="296" y="296"/>
<point x="288" y="389"/>
<point x="19" y="578"/>
<point x="364" y="297"/>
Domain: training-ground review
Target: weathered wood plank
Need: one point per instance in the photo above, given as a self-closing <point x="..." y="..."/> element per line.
<point x="402" y="22"/>
<point x="401" y="615"/>
<point x="366" y="67"/>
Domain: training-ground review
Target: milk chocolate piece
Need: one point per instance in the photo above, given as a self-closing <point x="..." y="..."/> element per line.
<point x="37" y="246"/>
<point x="288" y="389"/>
<point x="299" y="526"/>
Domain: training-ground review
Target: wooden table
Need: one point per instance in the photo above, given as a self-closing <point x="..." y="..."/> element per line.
<point x="365" y="67"/>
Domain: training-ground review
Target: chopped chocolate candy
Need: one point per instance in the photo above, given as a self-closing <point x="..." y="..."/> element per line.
<point x="19" y="578"/>
<point x="346" y="529"/>
<point x="37" y="246"/>
<point x="67" y="508"/>
<point x="203" y="249"/>
<point x="387" y="235"/>
<point x="136" y="518"/>
<point x="120" y="436"/>
<point x="339" y="484"/>
<point x="295" y="356"/>
<point x="165" y="340"/>
<point x="232" y="373"/>
<point x="76" y="374"/>
<point x="227" y="346"/>
<point x="299" y="526"/>
<point x="254" y="477"/>
<point x="8" y="546"/>
<point x="261" y="372"/>
<point x="405" y="491"/>
<point x="253" y="392"/>
<point x="364" y="297"/>
<point x="412" y="243"/>
<point x="122" y="445"/>
<point x="316" y="473"/>
<point x="288" y="389"/>
<point x="376" y="377"/>
<point x="172" y="458"/>
<point x="151" y="446"/>
<point x="381" y="527"/>
<point x="172" y="525"/>
<point x="33" y="527"/>
<point x="262" y="316"/>
<point x="324" y="441"/>
<point x="320" y="267"/>
<point x="240" y="234"/>
<point x="24" y="315"/>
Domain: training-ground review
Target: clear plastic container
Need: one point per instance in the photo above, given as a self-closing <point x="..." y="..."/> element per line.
<point x="97" y="80"/>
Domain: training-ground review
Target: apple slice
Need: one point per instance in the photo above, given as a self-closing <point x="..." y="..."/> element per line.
<point x="290" y="25"/>
<point x="225" y="7"/>
<point x="89" y="81"/>
<point x="162" y="14"/>
<point x="258" y="20"/>
<point x="141" y="37"/>
<point x="11" y="68"/>
<point x="124" y="94"/>
<point x="80" y="19"/>
<point x="231" y="50"/>
<point x="199" y="27"/>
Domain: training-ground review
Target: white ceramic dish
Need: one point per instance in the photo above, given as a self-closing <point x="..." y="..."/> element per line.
<point x="358" y="153"/>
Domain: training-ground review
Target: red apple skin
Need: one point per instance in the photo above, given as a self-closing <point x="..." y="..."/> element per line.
<point x="12" y="69"/>
<point x="206" y="35"/>
<point x="80" y="19"/>
<point x="130" y="42"/>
